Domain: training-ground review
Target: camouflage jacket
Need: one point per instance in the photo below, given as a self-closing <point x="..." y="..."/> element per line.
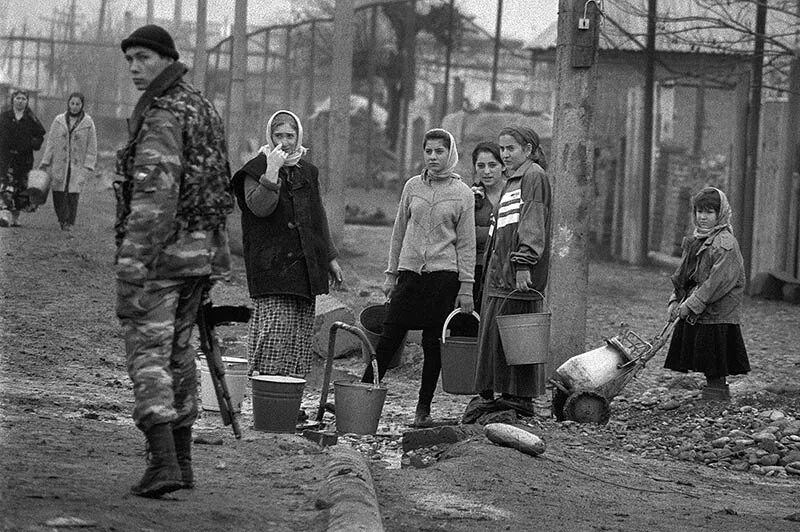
<point x="175" y="194"/>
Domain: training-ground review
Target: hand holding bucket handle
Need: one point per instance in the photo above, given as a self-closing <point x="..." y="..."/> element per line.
<point x="452" y="315"/>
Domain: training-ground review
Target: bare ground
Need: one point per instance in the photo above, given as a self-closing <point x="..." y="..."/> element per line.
<point x="69" y="448"/>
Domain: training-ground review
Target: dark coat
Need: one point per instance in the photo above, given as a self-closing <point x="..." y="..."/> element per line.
<point x="19" y="139"/>
<point x="288" y="251"/>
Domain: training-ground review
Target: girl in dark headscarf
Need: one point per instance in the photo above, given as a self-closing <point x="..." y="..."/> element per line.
<point x="70" y="156"/>
<point x="21" y="134"/>
<point x="709" y="286"/>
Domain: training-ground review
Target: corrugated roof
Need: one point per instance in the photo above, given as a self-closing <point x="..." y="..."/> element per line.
<point x="682" y="26"/>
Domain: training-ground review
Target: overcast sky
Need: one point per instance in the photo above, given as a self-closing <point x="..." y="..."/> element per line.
<point x="522" y="19"/>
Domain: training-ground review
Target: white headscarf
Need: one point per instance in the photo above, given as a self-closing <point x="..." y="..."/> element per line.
<point x="452" y="158"/>
<point x="300" y="150"/>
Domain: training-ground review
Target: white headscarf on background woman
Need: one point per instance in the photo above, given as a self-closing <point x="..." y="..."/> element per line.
<point x="452" y="158"/>
<point x="300" y="150"/>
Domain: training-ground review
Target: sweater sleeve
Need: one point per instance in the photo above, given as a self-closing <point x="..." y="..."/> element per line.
<point x="90" y="161"/>
<point x="261" y="196"/>
<point x="325" y="229"/>
<point x="722" y="278"/>
<point x="532" y="229"/>
<point x="399" y="229"/>
<point x="465" y="244"/>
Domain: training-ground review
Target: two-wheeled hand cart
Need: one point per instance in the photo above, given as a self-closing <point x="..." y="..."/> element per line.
<point x="585" y="384"/>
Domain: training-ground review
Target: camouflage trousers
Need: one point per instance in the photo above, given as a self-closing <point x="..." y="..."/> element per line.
<point x="157" y="320"/>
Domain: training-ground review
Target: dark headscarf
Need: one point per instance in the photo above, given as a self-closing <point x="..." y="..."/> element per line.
<point x="525" y="135"/>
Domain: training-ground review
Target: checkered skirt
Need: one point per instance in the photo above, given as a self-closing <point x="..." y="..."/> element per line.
<point x="280" y="334"/>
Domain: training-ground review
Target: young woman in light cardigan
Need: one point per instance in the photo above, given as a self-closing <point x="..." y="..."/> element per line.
<point x="431" y="262"/>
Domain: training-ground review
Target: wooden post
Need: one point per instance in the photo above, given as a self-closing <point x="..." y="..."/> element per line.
<point x="447" y="58"/>
<point x="22" y="54"/>
<point x="789" y="167"/>
<point x="496" y="49"/>
<point x="572" y="179"/>
<point x="739" y="151"/>
<point x="647" y="137"/>
<point x="312" y="59"/>
<point x="287" y="71"/>
<point x="262" y="104"/>
<point x="749" y="192"/>
<point x="238" y="70"/>
<point x="373" y="31"/>
<point x="200" y="66"/>
<point x="339" y="117"/>
<point x="149" y="12"/>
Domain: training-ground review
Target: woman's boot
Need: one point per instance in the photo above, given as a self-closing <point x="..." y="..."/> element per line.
<point x="183" y="451"/>
<point x="162" y="474"/>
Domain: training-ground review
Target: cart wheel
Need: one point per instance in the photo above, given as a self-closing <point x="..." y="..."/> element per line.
<point x="559" y="398"/>
<point x="587" y="407"/>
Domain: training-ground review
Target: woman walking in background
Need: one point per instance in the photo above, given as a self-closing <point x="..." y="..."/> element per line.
<point x="288" y="251"/>
<point x="21" y="134"/>
<point x="431" y="262"/>
<point x="70" y="156"/>
<point x="517" y="266"/>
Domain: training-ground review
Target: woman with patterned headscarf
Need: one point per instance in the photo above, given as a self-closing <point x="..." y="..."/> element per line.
<point x="707" y="299"/>
<point x="21" y="134"/>
<point x="431" y="262"/>
<point x="289" y="255"/>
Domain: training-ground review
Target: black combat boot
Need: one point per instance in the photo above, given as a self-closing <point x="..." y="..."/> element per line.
<point x="162" y="474"/>
<point x="183" y="451"/>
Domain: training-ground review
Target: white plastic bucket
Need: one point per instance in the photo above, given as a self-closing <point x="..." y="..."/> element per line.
<point x="235" y="378"/>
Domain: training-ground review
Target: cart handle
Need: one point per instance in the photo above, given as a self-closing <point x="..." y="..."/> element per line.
<point x="450" y="317"/>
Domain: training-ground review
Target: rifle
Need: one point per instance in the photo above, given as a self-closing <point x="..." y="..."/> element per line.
<point x="208" y="317"/>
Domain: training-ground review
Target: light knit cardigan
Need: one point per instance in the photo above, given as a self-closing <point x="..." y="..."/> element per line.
<point x="434" y="229"/>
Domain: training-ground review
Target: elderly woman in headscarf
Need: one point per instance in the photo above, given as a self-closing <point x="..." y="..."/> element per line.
<point x="70" y="154"/>
<point x="516" y="270"/>
<point x="21" y="134"/>
<point x="431" y="262"/>
<point x="289" y="255"/>
<point x="707" y="297"/>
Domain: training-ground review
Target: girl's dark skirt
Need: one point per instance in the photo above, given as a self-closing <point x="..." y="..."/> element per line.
<point x="493" y="373"/>
<point x="716" y="350"/>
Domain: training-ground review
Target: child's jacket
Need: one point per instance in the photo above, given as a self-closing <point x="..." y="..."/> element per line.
<point x="718" y="276"/>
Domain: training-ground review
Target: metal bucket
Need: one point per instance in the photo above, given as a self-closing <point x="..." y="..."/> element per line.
<point x="276" y="402"/>
<point x="235" y="378"/>
<point x="358" y="406"/>
<point x="459" y="360"/>
<point x="371" y="322"/>
<point x="525" y="337"/>
<point x="38" y="186"/>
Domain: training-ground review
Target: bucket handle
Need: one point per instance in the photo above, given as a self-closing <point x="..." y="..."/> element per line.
<point x="500" y="309"/>
<point x="450" y="317"/>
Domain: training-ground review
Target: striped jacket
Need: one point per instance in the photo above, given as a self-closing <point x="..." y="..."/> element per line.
<point x="520" y="233"/>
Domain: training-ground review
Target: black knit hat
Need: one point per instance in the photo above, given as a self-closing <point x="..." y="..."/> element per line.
<point x="153" y="37"/>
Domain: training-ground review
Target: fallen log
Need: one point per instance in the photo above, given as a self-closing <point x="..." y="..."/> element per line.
<point x="515" y="437"/>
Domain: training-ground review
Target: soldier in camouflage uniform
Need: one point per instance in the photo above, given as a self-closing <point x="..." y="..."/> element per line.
<point x="172" y="203"/>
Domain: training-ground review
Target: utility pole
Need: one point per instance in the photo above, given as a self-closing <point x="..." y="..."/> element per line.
<point x="447" y="58"/>
<point x="238" y="66"/>
<point x="572" y="176"/>
<point x="647" y="126"/>
<point x="101" y="20"/>
<point x="177" y="17"/>
<point x="784" y="261"/>
<point x="149" y="15"/>
<point x="339" y="135"/>
<point x="496" y="49"/>
<point x="749" y="192"/>
<point x="200" y="56"/>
